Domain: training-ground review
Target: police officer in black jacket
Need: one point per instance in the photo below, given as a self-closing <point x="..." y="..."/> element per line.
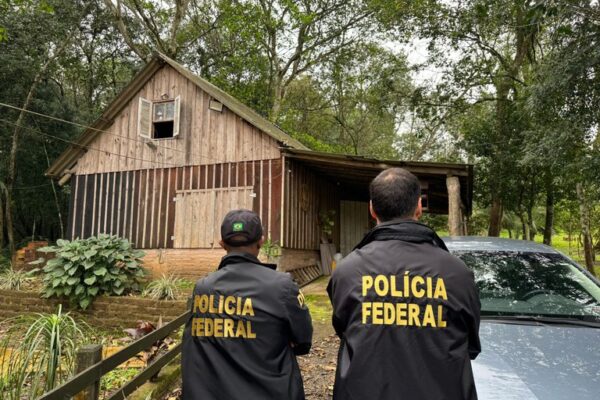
<point x="407" y="311"/>
<point x="248" y="324"/>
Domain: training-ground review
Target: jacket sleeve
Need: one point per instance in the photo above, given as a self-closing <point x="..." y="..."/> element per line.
<point x="298" y="318"/>
<point x="472" y="316"/>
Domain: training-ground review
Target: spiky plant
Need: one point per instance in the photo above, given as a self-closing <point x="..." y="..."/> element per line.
<point x="41" y="358"/>
<point x="164" y="288"/>
<point x="12" y="279"/>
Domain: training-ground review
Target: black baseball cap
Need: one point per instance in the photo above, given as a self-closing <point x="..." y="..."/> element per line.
<point x="243" y="225"/>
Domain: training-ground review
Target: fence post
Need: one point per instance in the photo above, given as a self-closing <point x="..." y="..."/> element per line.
<point x="86" y="357"/>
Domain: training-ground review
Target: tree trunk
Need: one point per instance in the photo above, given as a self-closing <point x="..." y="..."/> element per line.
<point x="584" y="216"/>
<point x="524" y="225"/>
<point x="454" y="209"/>
<point x="495" y="217"/>
<point x="549" y="213"/>
<point x="2" y="195"/>
<point x="531" y="224"/>
<point x="278" y="93"/>
<point x="56" y="202"/>
<point x="12" y="163"/>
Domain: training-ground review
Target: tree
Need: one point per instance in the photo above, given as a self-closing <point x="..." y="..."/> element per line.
<point x="353" y="104"/>
<point x="491" y="45"/>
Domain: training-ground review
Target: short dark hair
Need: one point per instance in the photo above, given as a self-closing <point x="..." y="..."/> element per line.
<point x="395" y="193"/>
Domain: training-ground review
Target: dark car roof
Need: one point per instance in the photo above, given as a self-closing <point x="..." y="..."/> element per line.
<point x="482" y="243"/>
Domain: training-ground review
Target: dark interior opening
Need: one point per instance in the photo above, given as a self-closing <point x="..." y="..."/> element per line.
<point x="163" y="130"/>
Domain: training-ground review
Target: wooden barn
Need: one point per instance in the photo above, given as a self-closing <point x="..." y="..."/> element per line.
<point x="173" y="153"/>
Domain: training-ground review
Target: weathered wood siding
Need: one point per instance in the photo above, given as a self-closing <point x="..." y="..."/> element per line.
<point x="306" y="194"/>
<point x="354" y="223"/>
<point x="140" y="206"/>
<point x="206" y="136"/>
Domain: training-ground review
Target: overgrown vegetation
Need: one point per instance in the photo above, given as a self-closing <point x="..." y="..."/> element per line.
<point x="11" y="279"/>
<point x="38" y="354"/>
<point x="509" y="86"/>
<point x="86" y="268"/>
<point x="271" y="250"/>
<point x="167" y="287"/>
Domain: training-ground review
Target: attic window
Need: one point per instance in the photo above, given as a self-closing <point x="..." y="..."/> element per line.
<point x="159" y="119"/>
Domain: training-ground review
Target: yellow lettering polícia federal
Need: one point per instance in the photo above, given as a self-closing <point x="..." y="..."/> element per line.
<point x="382" y="286"/>
<point x="228" y="325"/>
<point x="417" y="292"/>
<point x="377" y="313"/>
<point x="229" y="305"/>
<point x="401" y="314"/>
<point x="248" y="310"/>
<point x="241" y="329"/>
<point x="393" y="288"/>
<point x="413" y="315"/>
<point x="366" y="311"/>
<point x="389" y="315"/>
<point x="440" y="290"/>
<point x="249" y="333"/>
<point x="440" y="315"/>
<point x="428" y="318"/>
<point x="367" y="283"/>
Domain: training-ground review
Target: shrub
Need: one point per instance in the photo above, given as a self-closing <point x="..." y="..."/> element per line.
<point x="11" y="279"/>
<point x="86" y="268"/>
<point x="271" y="250"/>
<point x="164" y="288"/>
<point x="41" y="358"/>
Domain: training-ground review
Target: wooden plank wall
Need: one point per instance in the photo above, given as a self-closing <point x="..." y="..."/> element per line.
<point x="305" y="195"/>
<point x="354" y="223"/>
<point x="139" y="204"/>
<point x="206" y="136"/>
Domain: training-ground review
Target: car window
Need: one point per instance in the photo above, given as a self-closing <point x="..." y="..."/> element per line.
<point x="527" y="283"/>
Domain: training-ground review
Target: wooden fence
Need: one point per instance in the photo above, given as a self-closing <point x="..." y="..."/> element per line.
<point x="88" y="380"/>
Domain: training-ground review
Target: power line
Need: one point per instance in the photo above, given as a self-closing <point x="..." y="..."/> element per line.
<point x="83" y="126"/>
<point x="85" y="147"/>
<point x="103" y="131"/>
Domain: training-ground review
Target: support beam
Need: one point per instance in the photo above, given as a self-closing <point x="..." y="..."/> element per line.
<point x="455" y="219"/>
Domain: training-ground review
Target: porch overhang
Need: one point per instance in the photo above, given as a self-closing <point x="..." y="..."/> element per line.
<point x="353" y="174"/>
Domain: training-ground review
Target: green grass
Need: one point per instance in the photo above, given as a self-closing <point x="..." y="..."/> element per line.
<point x="319" y="306"/>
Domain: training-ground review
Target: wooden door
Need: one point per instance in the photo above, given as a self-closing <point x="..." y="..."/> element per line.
<point x="199" y="213"/>
<point x="354" y="224"/>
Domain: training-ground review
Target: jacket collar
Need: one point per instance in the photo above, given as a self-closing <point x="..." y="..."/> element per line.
<point x="243" y="258"/>
<point x="405" y="230"/>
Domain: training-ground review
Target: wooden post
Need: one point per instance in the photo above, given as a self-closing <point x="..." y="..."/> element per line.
<point x="86" y="357"/>
<point x="454" y="209"/>
<point x="584" y="218"/>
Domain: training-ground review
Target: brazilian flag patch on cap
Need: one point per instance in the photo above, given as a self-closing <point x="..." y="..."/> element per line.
<point x="238" y="226"/>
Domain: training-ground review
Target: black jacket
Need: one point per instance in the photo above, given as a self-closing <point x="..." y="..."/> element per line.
<point x="408" y="315"/>
<point x="248" y="323"/>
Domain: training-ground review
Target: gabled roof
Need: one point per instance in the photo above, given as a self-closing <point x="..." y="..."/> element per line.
<point x="70" y="156"/>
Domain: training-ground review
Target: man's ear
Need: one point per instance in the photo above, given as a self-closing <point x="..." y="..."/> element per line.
<point x="372" y="211"/>
<point x="419" y="209"/>
<point x="222" y="244"/>
<point x="261" y="241"/>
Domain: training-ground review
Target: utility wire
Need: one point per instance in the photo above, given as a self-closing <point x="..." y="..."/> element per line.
<point x="38" y="132"/>
<point x="100" y="130"/>
<point x="83" y="126"/>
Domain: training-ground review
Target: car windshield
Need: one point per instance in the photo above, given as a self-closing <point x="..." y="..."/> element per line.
<point x="532" y="284"/>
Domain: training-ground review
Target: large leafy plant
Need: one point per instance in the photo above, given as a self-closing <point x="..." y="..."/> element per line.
<point x="85" y="268"/>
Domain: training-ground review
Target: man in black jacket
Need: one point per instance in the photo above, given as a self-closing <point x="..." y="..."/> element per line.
<point x="407" y="311"/>
<point x="248" y="324"/>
